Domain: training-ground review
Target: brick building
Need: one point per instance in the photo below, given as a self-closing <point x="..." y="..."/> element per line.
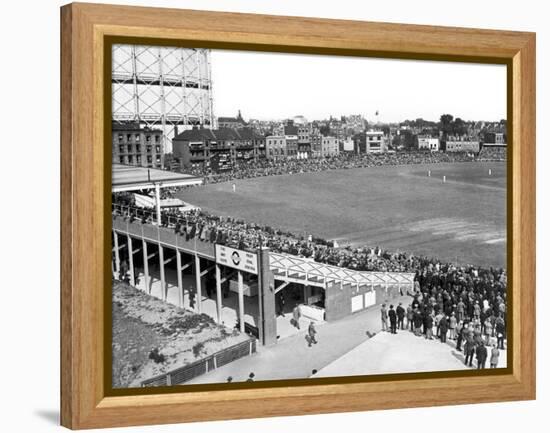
<point x="275" y="146"/>
<point x="316" y="144"/>
<point x="133" y="145"/>
<point x="329" y="146"/>
<point x="462" y="143"/>
<point x="497" y="138"/>
<point x="304" y="141"/>
<point x="369" y="142"/>
<point x="217" y="149"/>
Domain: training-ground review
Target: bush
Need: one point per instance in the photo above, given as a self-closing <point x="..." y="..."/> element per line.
<point x="197" y="349"/>
<point x="156" y="356"/>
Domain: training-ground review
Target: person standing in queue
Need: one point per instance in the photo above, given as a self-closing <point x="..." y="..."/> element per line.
<point x="410" y="315"/>
<point x="443" y="328"/>
<point x="481" y="356"/>
<point x="469" y="348"/>
<point x="311" y="333"/>
<point x="400" y="311"/>
<point x="393" y="320"/>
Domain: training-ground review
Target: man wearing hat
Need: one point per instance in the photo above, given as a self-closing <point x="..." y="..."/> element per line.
<point x="400" y="311"/>
<point x="481" y="355"/>
<point x="477" y="310"/>
<point x="452" y="326"/>
<point x="469" y="348"/>
<point x="393" y="320"/>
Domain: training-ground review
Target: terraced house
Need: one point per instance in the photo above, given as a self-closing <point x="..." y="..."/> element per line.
<point x="217" y="149"/>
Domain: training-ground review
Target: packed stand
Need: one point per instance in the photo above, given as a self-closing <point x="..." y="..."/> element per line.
<point x="272" y="167"/>
<point x="496" y="153"/>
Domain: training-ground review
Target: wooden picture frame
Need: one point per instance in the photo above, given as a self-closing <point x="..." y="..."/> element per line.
<point x="85" y="218"/>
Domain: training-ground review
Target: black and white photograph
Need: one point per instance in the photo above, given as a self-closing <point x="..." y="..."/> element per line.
<point x="281" y="216"/>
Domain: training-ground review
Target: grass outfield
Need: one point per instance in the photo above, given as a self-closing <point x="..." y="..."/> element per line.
<point x="397" y="208"/>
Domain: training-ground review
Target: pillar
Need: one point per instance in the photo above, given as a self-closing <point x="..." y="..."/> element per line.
<point x="161" y="264"/>
<point x="307" y="294"/>
<point x="157" y="201"/>
<point x="146" y="267"/>
<point x="241" y="301"/>
<point x="218" y="293"/>
<point x="180" y="279"/>
<point x="131" y="261"/>
<point x="266" y="298"/>
<point x="198" y="282"/>
<point x="117" y="255"/>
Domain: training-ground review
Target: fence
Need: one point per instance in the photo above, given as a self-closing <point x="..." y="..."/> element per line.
<point x="197" y="368"/>
<point x="146" y="215"/>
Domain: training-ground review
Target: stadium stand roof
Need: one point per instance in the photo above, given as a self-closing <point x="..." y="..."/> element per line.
<point x="203" y="134"/>
<point x="131" y="178"/>
<point x="306" y="271"/>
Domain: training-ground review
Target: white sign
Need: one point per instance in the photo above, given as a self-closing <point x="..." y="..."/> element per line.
<point x="237" y="259"/>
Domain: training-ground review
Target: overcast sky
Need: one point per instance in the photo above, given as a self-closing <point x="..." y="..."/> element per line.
<point x="278" y="86"/>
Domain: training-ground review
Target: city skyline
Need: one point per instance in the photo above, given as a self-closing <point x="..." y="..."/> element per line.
<point x="274" y="86"/>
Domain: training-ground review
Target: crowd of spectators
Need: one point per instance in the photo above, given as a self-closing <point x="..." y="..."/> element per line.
<point x="496" y="153"/>
<point x="464" y="305"/>
<point x="462" y="294"/>
<point x="273" y="167"/>
<point x="467" y="300"/>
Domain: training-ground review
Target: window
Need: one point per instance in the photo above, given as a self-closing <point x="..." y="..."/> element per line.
<point x="121" y="159"/>
<point x="137" y="138"/>
<point x="149" y="159"/>
<point x="120" y="137"/>
<point x="128" y="137"/>
<point x="138" y="159"/>
<point x="157" y="148"/>
<point x="148" y="138"/>
<point x="157" y="138"/>
<point x="138" y="148"/>
<point x="130" y="159"/>
<point x="129" y="148"/>
<point x="149" y="148"/>
<point x="121" y="149"/>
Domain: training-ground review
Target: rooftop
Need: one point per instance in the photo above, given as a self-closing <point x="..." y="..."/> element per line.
<point x="201" y="134"/>
<point x="132" y="178"/>
<point x="320" y="274"/>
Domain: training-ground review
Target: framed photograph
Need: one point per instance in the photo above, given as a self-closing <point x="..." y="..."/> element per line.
<point x="266" y="215"/>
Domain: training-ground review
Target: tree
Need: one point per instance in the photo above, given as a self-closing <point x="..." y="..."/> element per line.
<point x="324" y="130"/>
<point x="446" y="123"/>
<point x="459" y="127"/>
<point x="409" y="141"/>
<point x="396" y="141"/>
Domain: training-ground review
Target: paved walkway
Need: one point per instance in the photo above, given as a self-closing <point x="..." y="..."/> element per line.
<point x="401" y="353"/>
<point x="291" y="358"/>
